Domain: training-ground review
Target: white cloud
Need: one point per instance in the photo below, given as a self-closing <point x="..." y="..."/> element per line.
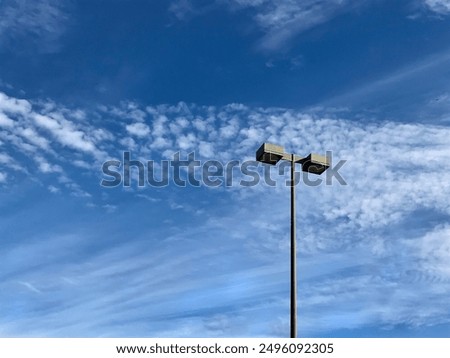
<point x="109" y="208"/>
<point x="33" y="137"/>
<point x="53" y="189"/>
<point x="230" y="129"/>
<point x="434" y="252"/>
<point x="18" y="142"/>
<point x="9" y="162"/>
<point x="76" y="190"/>
<point x="30" y="287"/>
<point x="138" y="129"/>
<point x="5" y="121"/>
<point x="5" y="159"/>
<point x="46" y="167"/>
<point x="3" y="177"/>
<point x="384" y="191"/>
<point x="159" y="124"/>
<point x="40" y="22"/>
<point x="161" y="143"/>
<point x="14" y="105"/>
<point x="200" y="124"/>
<point x="282" y="20"/>
<point x="82" y="164"/>
<point x="128" y="143"/>
<point x="182" y="9"/>
<point x="101" y="134"/>
<point x="148" y="197"/>
<point x="348" y="233"/>
<point x="66" y="132"/>
<point x="126" y="110"/>
<point x="187" y="141"/>
<point x="439" y="6"/>
<point x="279" y="20"/>
<point x="206" y="149"/>
<point x="42" y="128"/>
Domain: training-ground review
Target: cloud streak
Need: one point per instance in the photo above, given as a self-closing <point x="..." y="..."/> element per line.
<point x="280" y="21"/>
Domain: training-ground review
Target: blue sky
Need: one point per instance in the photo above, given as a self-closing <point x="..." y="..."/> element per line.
<point x="82" y="82"/>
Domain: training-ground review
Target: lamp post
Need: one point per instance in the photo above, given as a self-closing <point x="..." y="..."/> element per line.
<point x="313" y="163"/>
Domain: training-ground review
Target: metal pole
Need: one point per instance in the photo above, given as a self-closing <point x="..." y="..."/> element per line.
<point x="293" y="255"/>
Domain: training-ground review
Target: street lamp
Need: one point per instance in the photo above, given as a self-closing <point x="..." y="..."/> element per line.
<point x="313" y="163"/>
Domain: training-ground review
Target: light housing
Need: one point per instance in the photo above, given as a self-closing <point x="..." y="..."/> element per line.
<point x="315" y="163"/>
<point x="269" y="153"/>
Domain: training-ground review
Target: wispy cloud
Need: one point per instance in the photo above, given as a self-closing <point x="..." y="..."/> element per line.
<point x="282" y="20"/>
<point x="65" y="132"/>
<point x="392" y="92"/>
<point x="29" y="286"/>
<point x="351" y="236"/>
<point x="39" y="23"/>
<point x="279" y="20"/>
<point x="194" y="128"/>
<point x="39" y="131"/>
<point x="439" y="6"/>
<point x="182" y="9"/>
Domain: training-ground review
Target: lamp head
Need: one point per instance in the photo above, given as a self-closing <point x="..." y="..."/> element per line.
<point x="269" y="153"/>
<point x="315" y="163"/>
